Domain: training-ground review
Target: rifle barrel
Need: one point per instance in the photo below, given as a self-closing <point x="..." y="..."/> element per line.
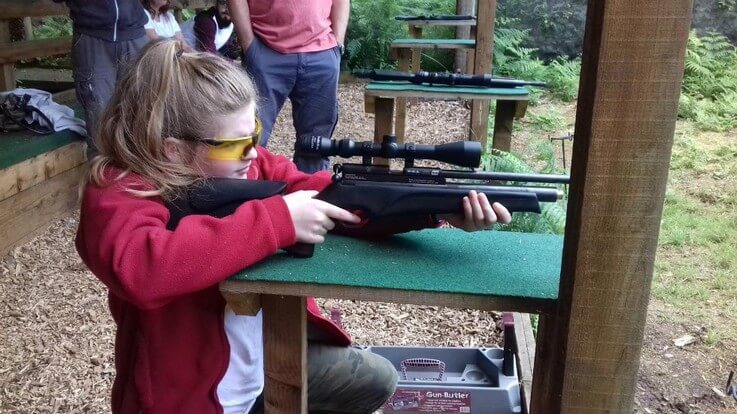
<point x="483" y="175"/>
<point x="439" y="78"/>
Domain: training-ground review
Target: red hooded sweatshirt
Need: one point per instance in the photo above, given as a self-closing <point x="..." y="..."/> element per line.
<point x="171" y="350"/>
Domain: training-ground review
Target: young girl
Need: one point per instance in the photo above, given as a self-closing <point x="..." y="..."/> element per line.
<point x="175" y="120"/>
<point x="161" y="22"/>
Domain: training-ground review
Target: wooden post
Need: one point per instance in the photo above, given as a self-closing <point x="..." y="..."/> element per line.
<point x="401" y="125"/>
<point x="503" y="125"/>
<point x="7" y="71"/>
<point x="463" y="7"/>
<point x="27" y="28"/>
<point x="416" y="64"/>
<point x="485" y="15"/>
<point x="383" y="117"/>
<point x="589" y="349"/>
<point x="285" y="354"/>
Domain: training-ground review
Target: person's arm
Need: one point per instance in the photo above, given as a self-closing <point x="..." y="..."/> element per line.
<point x="185" y="45"/>
<point x="124" y="241"/>
<point x="241" y="17"/>
<point x="151" y="34"/>
<point x="150" y="28"/>
<point x="204" y="31"/>
<point x="339" y="19"/>
<point x="174" y="24"/>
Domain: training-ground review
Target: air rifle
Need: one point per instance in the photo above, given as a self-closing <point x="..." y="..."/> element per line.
<point x="444" y="78"/>
<point x="377" y="191"/>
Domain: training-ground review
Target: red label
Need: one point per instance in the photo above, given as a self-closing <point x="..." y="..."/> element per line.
<point x="428" y="401"/>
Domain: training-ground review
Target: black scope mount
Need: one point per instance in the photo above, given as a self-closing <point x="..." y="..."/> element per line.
<point x="463" y="153"/>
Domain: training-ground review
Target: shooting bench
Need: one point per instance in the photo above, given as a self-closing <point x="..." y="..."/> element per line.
<point x="39" y="179"/>
<point x="379" y="99"/>
<point x="39" y="174"/>
<point x="477" y="61"/>
<point x="487" y="270"/>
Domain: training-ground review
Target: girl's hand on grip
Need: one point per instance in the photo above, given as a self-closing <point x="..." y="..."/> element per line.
<point x="313" y="218"/>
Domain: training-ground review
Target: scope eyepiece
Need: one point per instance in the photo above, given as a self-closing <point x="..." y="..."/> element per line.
<point x="462" y="153"/>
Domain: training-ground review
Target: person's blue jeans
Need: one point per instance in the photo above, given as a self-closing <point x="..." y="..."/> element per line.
<point x="309" y="80"/>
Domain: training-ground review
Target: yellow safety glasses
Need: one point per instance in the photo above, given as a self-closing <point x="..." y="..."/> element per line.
<point x="233" y="149"/>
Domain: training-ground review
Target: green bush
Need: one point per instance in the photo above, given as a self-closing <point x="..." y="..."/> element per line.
<point x="512" y="58"/>
<point x="552" y="218"/>
<point x="372" y="27"/>
<point x="53" y="27"/>
<point x="710" y="83"/>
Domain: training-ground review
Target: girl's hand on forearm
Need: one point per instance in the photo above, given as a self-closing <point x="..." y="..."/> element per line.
<point x="478" y="213"/>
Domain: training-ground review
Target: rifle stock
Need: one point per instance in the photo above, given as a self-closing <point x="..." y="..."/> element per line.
<point x="382" y="199"/>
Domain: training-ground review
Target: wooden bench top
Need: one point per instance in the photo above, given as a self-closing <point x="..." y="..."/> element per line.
<point x="16" y="147"/>
<point x="434" y="43"/>
<point x="444" y="267"/>
<point x="21" y="145"/>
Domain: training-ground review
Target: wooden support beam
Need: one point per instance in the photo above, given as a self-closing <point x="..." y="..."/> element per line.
<point x="589" y="350"/>
<point x="29" y="49"/>
<point x="27" y="28"/>
<point x="14" y="9"/>
<point x="463" y="8"/>
<point x="285" y="354"/>
<point x="404" y="66"/>
<point x="525" y="340"/>
<point x="231" y="288"/>
<point x="7" y="71"/>
<point x="485" y="15"/>
<point x="383" y="123"/>
<point x="503" y="125"/>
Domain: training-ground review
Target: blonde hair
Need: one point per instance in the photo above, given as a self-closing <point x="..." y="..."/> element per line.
<point x="166" y="93"/>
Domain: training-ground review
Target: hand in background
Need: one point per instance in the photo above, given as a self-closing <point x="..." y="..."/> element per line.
<point x="478" y="213"/>
<point x="313" y="218"/>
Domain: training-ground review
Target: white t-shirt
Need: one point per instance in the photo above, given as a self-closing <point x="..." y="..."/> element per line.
<point x="166" y="27"/>
<point x="244" y="379"/>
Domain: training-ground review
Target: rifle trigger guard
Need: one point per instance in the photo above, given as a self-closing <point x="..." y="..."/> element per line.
<point x="337" y="172"/>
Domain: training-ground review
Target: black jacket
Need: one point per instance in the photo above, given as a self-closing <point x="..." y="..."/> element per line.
<point x="111" y="20"/>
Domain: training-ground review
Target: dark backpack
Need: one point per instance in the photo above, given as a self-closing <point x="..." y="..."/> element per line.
<point x="14" y="112"/>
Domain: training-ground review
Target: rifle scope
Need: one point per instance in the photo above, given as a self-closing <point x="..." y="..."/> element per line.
<point x="463" y="153"/>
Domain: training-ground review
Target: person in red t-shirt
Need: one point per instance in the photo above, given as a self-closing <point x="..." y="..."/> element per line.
<point x="179" y="348"/>
<point x="292" y="49"/>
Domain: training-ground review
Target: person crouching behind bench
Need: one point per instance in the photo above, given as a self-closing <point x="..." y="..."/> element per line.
<point x="179" y="347"/>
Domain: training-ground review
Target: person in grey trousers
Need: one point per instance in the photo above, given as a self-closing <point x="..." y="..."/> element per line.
<point x="107" y="34"/>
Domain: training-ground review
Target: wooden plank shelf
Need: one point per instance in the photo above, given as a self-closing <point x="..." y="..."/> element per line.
<point x="29" y="49"/>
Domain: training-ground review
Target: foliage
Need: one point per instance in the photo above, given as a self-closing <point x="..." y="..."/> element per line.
<point x="550" y="121"/>
<point x="512" y="58"/>
<point x="710" y="83"/>
<point x="53" y="27"/>
<point x="372" y="28"/>
<point x="552" y="218"/>
<point x="562" y="76"/>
